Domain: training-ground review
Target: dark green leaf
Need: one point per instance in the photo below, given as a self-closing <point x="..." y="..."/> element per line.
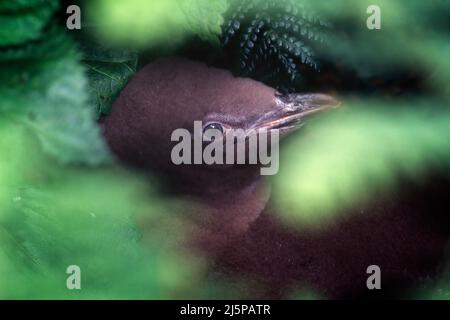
<point x="108" y="72"/>
<point x="22" y="26"/>
<point x="49" y="95"/>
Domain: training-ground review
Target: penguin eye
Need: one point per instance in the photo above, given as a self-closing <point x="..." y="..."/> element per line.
<point x="213" y="125"/>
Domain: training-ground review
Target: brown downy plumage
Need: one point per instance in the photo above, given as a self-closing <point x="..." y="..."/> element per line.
<point x="230" y="205"/>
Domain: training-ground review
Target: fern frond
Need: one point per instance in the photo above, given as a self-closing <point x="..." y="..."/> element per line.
<point x="273" y="39"/>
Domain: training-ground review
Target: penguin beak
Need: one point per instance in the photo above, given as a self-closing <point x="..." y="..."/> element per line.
<point x="292" y="110"/>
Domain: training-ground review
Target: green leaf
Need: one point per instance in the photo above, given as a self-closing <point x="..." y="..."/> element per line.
<point x="85" y="218"/>
<point x="17" y="6"/>
<point x="53" y="46"/>
<point x="342" y="159"/>
<point x="49" y="95"/>
<point x="53" y="216"/>
<point x="108" y="72"/>
<point x="205" y="17"/>
<point x="105" y="82"/>
<point x="21" y="26"/>
<point x="163" y="24"/>
<point x="270" y="40"/>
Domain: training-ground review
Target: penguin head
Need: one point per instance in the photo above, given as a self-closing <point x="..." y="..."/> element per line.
<point x="175" y="93"/>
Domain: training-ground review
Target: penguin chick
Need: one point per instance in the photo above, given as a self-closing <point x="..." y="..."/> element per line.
<point x="171" y="94"/>
<point x="233" y="221"/>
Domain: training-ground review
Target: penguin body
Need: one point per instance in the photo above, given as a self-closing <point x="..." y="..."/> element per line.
<point x="236" y="224"/>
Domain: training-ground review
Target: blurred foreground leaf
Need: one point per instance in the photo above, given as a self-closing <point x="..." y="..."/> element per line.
<point x="413" y="36"/>
<point x="343" y="157"/>
<point x="163" y="23"/>
<point x="44" y="85"/>
<point x="22" y="21"/>
<point x="55" y="216"/>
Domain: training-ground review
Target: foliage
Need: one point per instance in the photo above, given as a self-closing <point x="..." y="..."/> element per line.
<point x="61" y="200"/>
<point x="159" y="23"/>
<point x="412" y="37"/>
<point x="272" y="39"/>
<point x="61" y="203"/>
<point x="350" y="155"/>
<point x="361" y="149"/>
<point x="43" y="85"/>
<point x="109" y="70"/>
<point x="54" y="216"/>
<point x="23" y="20"/>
